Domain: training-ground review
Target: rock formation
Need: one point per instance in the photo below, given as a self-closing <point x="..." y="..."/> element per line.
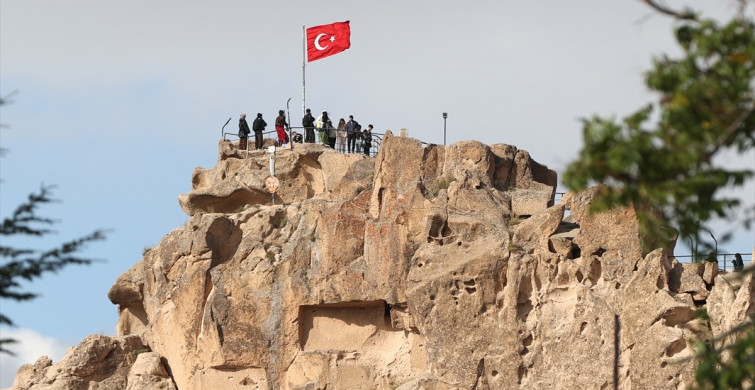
<point x="427" y="267"/>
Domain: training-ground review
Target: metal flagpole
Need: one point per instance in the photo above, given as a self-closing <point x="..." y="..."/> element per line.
<point x="303" y="68"/>
<point x="290" y="135"/>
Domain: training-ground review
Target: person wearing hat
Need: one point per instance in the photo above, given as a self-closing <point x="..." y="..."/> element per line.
<point x="258" y="126"/>
<point x="280" y="127"/>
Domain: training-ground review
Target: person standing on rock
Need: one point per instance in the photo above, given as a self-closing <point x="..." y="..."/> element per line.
<point x="738" y="263"/>
<point x="367" y="137"/>
<point x="341" y="136"/>
<point x="243" y="132"/>
<point x="258" y="126"/>
<point x="351" y="125"/>
<point x="332" y="132"/>
<point x="322" y="128"/>
<point x="308" y="122"/>
<point x="358" y="139"/>
<point x="280" y="128"/>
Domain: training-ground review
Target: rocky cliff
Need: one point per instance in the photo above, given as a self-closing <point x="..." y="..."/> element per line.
<point x="427" y="267"/>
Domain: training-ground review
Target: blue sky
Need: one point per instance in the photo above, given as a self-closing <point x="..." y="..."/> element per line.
<point x="118" y="102"/>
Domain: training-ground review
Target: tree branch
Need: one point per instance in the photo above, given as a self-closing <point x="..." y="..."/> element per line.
<point x="730" y="131"/>
<point x="664" y="9"/>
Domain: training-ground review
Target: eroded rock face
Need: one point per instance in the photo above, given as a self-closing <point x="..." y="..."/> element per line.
<point x="99" y="362"/>
<point x="423" y="268"/>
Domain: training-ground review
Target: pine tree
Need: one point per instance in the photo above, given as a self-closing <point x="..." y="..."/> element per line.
<point x="18" y="264"/>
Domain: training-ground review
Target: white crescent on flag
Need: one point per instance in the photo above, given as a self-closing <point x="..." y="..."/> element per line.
<point x="317" y="42"/>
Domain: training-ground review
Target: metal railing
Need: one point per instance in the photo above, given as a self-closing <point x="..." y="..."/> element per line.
<point x="249" y="140"/>
<point x="377" y="138"/>
<point x="724" y="258"/>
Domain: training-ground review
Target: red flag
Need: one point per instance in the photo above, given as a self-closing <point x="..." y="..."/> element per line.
<point x="328" y="39"/>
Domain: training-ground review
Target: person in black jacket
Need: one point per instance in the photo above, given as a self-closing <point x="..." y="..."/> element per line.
<point x="738" y="263"/>
<point x="351" y="126"/>
<point x="367" y="139"/>
<point x="243" y="132"/>
<point x="308" y="122"/>
<point x="258" y="126"/>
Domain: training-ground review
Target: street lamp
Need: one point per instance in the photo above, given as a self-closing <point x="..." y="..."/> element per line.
<point x="715" y="250"/>
<point x="445" y="115"/>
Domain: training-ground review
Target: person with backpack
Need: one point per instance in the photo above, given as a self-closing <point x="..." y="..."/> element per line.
<point x="243" y="132"/>
<point x="308" y="122"/>
<point x="258" y="126"/>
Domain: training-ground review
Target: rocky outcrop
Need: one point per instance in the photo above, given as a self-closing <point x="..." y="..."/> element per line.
<point x="99" y="362"/>
<point x="427" y="267"/>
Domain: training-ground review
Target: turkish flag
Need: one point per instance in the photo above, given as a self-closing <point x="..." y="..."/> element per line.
<point x="328" y="39"/>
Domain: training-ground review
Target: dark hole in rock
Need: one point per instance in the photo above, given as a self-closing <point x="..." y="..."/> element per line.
<point x="576" y="252"/>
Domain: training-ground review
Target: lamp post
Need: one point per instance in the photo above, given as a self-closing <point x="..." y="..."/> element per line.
<point x="445" y="115"/>
<point x="715" y="250"/>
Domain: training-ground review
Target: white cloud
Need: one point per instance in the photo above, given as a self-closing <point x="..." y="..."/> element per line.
<point x="30" y="347"/>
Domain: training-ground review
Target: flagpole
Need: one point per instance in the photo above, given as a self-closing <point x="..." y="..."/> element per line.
<point x="303" y="68"/>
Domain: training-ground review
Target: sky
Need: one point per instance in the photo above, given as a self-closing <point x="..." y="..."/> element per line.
<point x="118" y="101"/>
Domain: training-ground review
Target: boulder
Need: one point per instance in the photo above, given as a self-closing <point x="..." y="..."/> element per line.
<point x="148" y="373"/>
<point x="98" y="362"/>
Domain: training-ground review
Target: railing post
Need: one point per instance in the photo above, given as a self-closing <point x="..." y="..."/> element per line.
<point x="222" y="133"/>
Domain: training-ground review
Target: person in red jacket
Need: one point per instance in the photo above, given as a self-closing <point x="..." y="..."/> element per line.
<point x="280" y="127"/>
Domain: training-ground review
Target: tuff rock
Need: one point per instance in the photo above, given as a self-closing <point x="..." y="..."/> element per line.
<point x="99" y="362"/>
<point x="426" y="267"/>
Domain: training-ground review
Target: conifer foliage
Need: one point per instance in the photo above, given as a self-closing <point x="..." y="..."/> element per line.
<point x="661" y="159"/>
<point x="27" y="264"/>
<point x="18" y="264"/>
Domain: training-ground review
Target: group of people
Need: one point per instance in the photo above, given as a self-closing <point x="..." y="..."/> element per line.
<point x="347" y="137"/>
<point x="258" y="126"/>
